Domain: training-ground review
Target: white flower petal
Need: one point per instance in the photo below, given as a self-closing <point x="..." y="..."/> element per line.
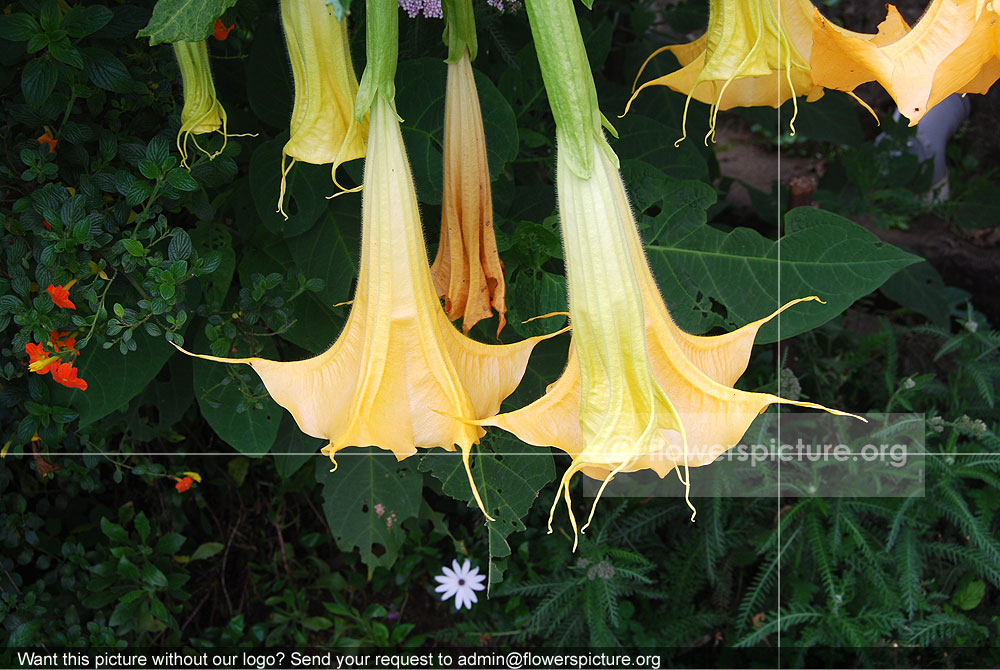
<point x="447" y="589"/>
<point x="465" y="567"/>
<point x="475" y="586"/>
<point x="470" y="596"/>
<point x="441" y="579"/>
<point x="449" y="572"/>
<point x="455" y="566"/>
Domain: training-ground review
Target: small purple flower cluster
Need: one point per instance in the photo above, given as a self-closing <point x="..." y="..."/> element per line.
<point x="504" y="5"/>
<point x="429" y="8"/>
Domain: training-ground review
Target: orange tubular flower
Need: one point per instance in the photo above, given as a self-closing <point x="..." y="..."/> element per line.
<point x="467" y="272"/>
<point x="952" y="49"/>
<point x="46" y="138"/>
<point x="399" y="376"/>
<point x="65" y="374"/>
<point x="220" y="31"/>
<point x="39" y="360"/>
<point x="60" y="295"/>
<point x="62" y="341"/>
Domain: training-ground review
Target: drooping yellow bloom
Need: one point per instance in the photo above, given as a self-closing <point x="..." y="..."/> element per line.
<point x="637" y="391"/>
<point x="951" y="49"/>
<point x="467" y="271"/>
<point x="755" y="52"/>
<point x="400" y="376"/>
<point x="202" y="113"/>
<point x="322" y="129"/>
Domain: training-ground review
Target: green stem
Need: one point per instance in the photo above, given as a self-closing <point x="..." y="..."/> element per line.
<point x="569" y="82"/>
<point x="382" y="50"/>
<point x="459" y="29"/>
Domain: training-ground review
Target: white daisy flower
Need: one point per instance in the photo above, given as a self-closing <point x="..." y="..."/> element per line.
<point x="461" y="581"/>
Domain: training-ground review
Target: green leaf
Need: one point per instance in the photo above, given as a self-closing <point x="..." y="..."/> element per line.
<point x="82" y="21"/>
<point x="189" y="20"/>
<point x="153" y="576"/>
<point x="646" y="139"/>
<point x="107" y="392"/>
<point x="142" y="525"/>
<point x="209" y="237"/>
<point x="251" y="432"/>
<point x="38" y="80"/>
<point x="64" y="52"/>
<point x="114" y="531"/>
<point x="169" y="543"/>
<point x="182" y="180"/>
<point x="105" y="70"/>
<point x="316" y="623"/>
<point x="180" y="245"/>
<point x="125" y="612"/>
<point x="711" y="278"/>
<point x="307" y="187"/>
<point x="18" y="27"/>
<point x="207" y="550"/>
<point x="920" y="288"/>
<point x="420" y="94"/>
<point x="508" y="474"/>
<point x="292" y="449"/>
<point x="367" y="500"/>
<point x="269" y="80"/>
<point x="133" y="247"/>
<point x="969" y="593"/>
<point x="24" y="635"/>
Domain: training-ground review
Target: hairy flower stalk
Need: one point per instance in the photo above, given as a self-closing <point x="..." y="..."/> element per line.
<point x="399" y="376"/>
<point x="952" y="49"/>
<point x="322" y="129"/>
<point x="637" y="391"/>
<point x="467" y="271"/>
<point x="755" y="52"/>
<point x="202" y="112"/>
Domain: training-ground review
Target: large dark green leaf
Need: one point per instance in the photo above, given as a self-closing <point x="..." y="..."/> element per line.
<point x="306" y="189"/>
<point x="508" y="473"/>
<point x="38" y="79"/>
<point x="82" y="21"/>
<point x="217" y="387"/>
<point x="420" y="91"/>
<point x="107" y="391"/>
<point x="105" y="70"/>
<point x="269" y="79"/>
<point x="292" y="448"/>
<point x="710" y="278"/>
<point x="190" y="20"/>
<point x="367" y="499"/>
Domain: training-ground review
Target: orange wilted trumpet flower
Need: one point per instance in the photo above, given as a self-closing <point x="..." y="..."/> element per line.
<point x="754" y="53"/>
<point x="400" y="375"/>
<point x="952" y="49"/>
<point x="322" y="128"/>
<point x="202" y="112"/>
<point x="467" y="271"/>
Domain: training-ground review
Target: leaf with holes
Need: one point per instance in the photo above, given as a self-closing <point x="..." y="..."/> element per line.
<point x="366" y="501"/>
<point x="508" y="473"/>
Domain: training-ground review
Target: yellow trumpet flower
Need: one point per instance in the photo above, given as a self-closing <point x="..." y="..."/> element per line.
<point x="202" y="112"/>
<point x="952" y="48"/>
<point x="322" y="129"/>
<point x="637" y="391"/>
<point x="755" y="52"/>
<point x="399" y="376"/>
<point x="467" y="271"/>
